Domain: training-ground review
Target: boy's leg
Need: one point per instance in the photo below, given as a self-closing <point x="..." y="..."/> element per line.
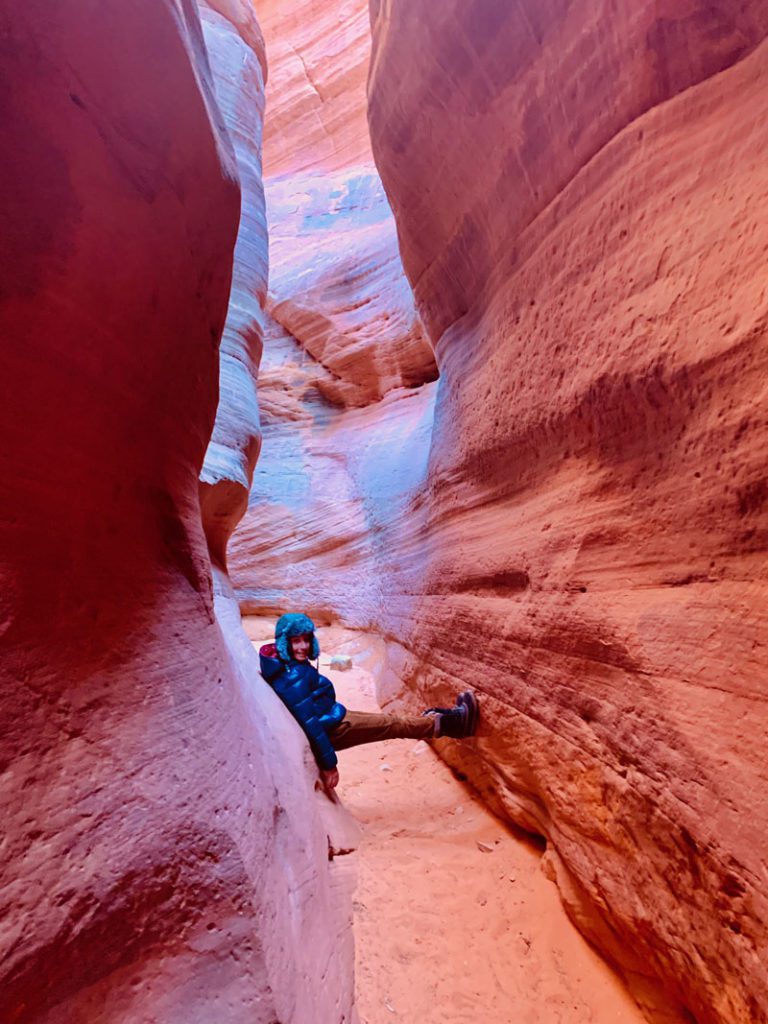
<point x="369" y="727"/>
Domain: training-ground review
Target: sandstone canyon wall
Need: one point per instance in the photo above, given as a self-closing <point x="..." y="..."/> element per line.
<point x="336" y="281"/>
<point x="342" y="331"/>
<point x="163" y="858"/>
<point x="238" y="61"/>
<point x="332" y="525"/>
<point x="580" y="195"/>
<point x="573" y="519"/>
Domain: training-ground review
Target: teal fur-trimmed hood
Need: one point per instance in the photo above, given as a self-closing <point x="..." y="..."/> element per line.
<point x="294" y="624"/>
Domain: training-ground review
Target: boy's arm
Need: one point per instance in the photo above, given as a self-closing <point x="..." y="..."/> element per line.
<point x="322" y="748"/>
<point x="324" y="688"/>
<point x="303" y="711"/>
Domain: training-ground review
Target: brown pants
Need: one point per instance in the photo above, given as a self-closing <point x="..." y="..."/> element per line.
<point x="371" y="726"/>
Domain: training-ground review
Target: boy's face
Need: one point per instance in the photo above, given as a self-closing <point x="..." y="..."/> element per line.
<point x="300" y="646"/>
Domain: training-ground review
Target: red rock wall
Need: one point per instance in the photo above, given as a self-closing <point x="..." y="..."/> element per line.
<point x="318" y="59"/>
<point x="580" y="196"/>
<point x="333" y="523"/>
<point x="238" y="62"/>
<point x="342" y="332"/>
<point x="163" y="857"/>
<point x="336" y="280"/>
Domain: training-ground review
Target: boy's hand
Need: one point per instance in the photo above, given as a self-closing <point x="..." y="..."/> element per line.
<point x="330" y="778"/>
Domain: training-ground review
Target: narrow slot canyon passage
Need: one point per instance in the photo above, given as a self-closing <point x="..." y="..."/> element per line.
<point x="506" y="427"/>
<point x="455" y="921"/>
<point x="445" y="324"/>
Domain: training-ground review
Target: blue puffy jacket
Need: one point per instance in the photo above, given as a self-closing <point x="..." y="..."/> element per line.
<point x="309" y="697"/>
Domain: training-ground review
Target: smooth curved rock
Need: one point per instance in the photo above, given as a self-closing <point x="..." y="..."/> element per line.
<point x="164" y="858"/>
<point x="238" y="62"/>
<point x="318" y="59"/>
<point x="334" y="517"/>
<point x="336" y="279"/>
<point x="240" y="16"/>
<point x="576" y="521"/>
<point x="537" y="92"/>
<point x="337" y="285"/>
<point x="589" y="260"/>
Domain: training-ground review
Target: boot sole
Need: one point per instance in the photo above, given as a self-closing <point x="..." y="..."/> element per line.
<point x="468" y="699"/>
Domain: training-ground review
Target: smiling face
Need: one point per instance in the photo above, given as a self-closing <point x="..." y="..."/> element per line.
<point x="300" y="646"/>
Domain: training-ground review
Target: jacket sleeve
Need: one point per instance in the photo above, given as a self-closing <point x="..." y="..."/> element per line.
<point x="322" y="748"/>
<point x="304" y="713"/>
<point x="324" y="688"/>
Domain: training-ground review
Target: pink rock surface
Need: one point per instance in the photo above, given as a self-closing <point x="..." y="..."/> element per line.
<point x="590" y="263"/>
<point x="238" y="62"/>
<point x="454" y="919"/>
<point x="164" y="857"/>
<point x="337" y="284"/>
<point x="574" y="519"/>
<point x="318" y="60"/>
<point x="336" y="280"/>
<point x="333" y="514"/>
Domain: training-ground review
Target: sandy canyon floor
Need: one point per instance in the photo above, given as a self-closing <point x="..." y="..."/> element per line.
<point x="455" y="922"/>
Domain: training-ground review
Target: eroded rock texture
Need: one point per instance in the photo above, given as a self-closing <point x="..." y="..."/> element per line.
<point x="332" y="517"/>
<point x="318" y="59"/>
<point x="574" y="520"/>
<point x="336" y="280"/>
<point x="238" y="61"/>
<point x="163" y="858"/>
<point x="341" y="335"/>
<point x="590" y="263"/>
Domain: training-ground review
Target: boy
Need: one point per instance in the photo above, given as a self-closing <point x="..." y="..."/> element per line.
<point x="328" y="725"/>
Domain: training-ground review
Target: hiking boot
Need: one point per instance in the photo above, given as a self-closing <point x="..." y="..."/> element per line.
<point x="457" y="722"/>
<point x="468" y="699"/>
<point x="437" y="714"/>
<point x="452" y="723"/>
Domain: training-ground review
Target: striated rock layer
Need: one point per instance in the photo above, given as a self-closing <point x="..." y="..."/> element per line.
<point x="574" y="518"/>
<point x="336" y="279"/>
<point x="589" y="259"/>
<point x="163" y="857"/>
<point x="337" y="285"/>
<point x="236" y="50"/>
<point x="318" y="59"/>
<point x="314" y="947"/>
<point x="326" y="526"/>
